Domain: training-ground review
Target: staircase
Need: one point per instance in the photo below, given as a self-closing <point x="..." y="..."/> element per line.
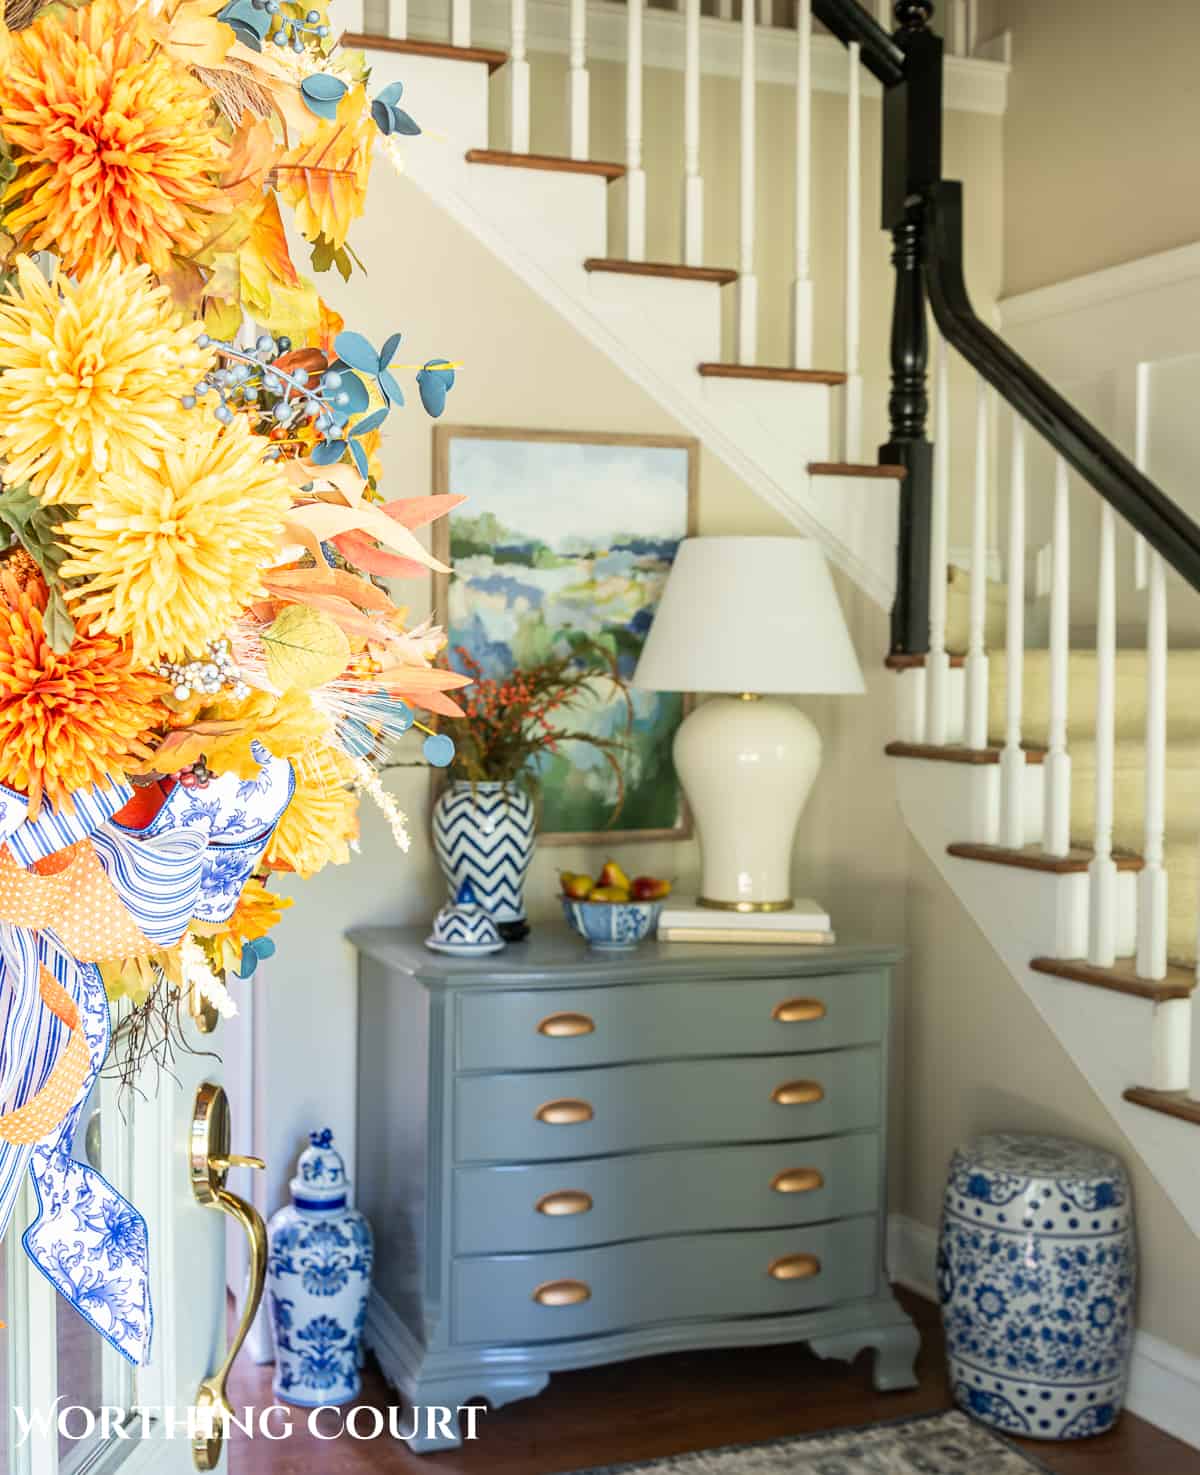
<point x="1040" y="782"/>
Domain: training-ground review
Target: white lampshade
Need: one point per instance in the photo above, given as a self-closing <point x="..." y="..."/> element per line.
<point x="749" y="615"/>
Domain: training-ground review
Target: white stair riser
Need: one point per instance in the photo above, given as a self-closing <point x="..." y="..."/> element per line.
<point x="688" y="314"/>
<point x="566" y="214"/>
<point x="449" y="99"/>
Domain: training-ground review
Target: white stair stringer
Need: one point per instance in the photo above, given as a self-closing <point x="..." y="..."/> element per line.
<point x="1115" y="1039"/>
<point x="544" y="224"/>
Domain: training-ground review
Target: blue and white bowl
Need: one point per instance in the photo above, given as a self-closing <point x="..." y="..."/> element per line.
<point x="612" y="926"/>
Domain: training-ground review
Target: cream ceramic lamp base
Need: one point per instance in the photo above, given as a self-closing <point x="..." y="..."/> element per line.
<point x="747" y="765"/>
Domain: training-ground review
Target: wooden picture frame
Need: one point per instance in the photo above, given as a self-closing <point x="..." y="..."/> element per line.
<point x="444" y="438"/>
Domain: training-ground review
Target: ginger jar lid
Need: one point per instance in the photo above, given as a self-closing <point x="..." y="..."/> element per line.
<point x="320" y="1181"/>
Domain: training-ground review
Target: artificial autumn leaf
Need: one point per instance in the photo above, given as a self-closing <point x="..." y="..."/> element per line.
<point x="430" y="701"/>
<point x="304" y="648"/>
<point x="195" y="36"/>
<point x="287" y="726"/>
<point x="323" y="521"/>
<point x="366" y="554"/>
<point x="294" y="584"/>
<point x="324" y="177"/>
<point x="422" y="678"/>
<point x="252" y="154"/>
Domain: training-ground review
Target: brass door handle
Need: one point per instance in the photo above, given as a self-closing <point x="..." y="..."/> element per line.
<point x="794" y="1267"/>
<point x="564" y="1112"/>
<point x="566" y="1026"/>
<point x="211" y="1160"/>
<point x="798" y="1093"/>
<point x="798" y="1011"/>
<point x="797" y="1180"/>
<point x="567" y="1201"/>
<point x="562" y="1293"/>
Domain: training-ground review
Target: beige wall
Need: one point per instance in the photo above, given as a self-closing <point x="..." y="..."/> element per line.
<point x="979" y="1058"/>
<point x="1101" y="135"/>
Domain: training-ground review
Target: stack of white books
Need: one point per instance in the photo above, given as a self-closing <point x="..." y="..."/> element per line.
<point x="807" y="922"/>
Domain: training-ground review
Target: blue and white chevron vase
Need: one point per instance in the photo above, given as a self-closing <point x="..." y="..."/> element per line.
<point x="483" y="834"/>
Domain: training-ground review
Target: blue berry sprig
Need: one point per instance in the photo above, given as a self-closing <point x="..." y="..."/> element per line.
<point x="250" y="21"/>
<point x="285" y="398"/>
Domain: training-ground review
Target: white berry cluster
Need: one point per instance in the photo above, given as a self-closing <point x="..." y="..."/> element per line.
<point x="215" y="671"/>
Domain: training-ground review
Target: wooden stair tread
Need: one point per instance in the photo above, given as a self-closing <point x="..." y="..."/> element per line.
<point x="1034" y="858"/>
<point x="361" y="41"/>
<point x="901" y="660"/>
<point x="761" y="371"/>
<point x="1173" y="1103"/>
<point x="720" y="275"/>
<point x="851" y="468"/>
<point x="1121" y="978"/>
<point x="956" y="753"/>
<point x="553" y="162"/>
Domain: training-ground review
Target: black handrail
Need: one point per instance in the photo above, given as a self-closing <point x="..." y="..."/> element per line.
<point x="1147" y="509"/>
<point x="850" y="22"/>
<point x="924" y="213"/>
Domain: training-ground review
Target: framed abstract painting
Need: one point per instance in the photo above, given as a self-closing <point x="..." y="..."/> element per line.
<point x="566" y="534"/>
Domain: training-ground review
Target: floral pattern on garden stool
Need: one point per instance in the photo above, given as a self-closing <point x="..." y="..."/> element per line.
<point x="1037" y="1270"/>
<point x="319" y="1262"/>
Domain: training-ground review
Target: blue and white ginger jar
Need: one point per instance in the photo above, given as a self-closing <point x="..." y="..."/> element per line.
<point x="319" y="1261"/>
<point x="1037" y="1270"/>
<point x="483" y="834"/>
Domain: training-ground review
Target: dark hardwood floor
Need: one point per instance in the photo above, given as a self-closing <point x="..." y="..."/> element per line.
<point x="662" y="1405"/>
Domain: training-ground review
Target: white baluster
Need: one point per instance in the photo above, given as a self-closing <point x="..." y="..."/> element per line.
<point x="460" y="22"/>
<point x="693" y="185"/>
<point x="747" y="285"/>
<point x="397" y="22"/>
<point x="1152" y="883"/>
<point x="1012" y="759"/>
<point x="958" y="28"/>
<point x="577" y="80"/>
<point x="977" y="657"/>
<point x="1056" y="770"/>
<point x="883" y="14"/>
<point x="1102" y="872"/>
<point x="937" y="662"/>
<point x="635" y="175"/>
<point x="1194" y="1033"/>
<point x="802" y="287"/>
<point x="853" y="391"/>
<point x="972" y="26"/>
<point x="766" y="15"/>
<point x="518" y="82"/>
<point x="724" y="9"/>
<point x="1141" y="436"/>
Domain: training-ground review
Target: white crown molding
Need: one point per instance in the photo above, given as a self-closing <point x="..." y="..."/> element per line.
<point x="1146" y="274"/>
<point x="971" y="85"/>
<point x="1164" y="1382"/>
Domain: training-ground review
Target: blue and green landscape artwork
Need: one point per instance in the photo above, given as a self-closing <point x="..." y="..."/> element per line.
<point x="566" y="537"/>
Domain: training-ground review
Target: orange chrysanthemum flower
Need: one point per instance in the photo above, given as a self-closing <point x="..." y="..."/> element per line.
<point x="114" y="140"/>
<point x="66" y="721"/>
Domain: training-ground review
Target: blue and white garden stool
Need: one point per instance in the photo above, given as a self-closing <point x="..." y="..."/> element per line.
<point x="318" y="1277"/>
<point x="1036" y="1274"/>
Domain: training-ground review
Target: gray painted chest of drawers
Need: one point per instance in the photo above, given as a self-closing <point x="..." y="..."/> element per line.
<point x="572" y="1158"/>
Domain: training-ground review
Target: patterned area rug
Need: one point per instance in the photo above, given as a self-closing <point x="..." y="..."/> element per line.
<point x="934" y="1444"/>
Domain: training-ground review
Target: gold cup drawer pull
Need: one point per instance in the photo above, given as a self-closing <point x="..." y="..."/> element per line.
<point x="562" y="1293"/>
<point x="565" y="1112"/>
<point x="799" y="1011"/>
<point x="798" y="1093"/>
<point x="566" y="1026"/>
<point x="794" y="1267"/>
<point x="567" y="1201"/>
<point x="798" y="1180"/>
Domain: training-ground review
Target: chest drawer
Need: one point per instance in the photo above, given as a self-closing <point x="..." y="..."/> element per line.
<point x="539" y="1298"/>
<point x="549" y="1029"/>
<point x="579" y="1113"/>
<point x="552" y="1206"/>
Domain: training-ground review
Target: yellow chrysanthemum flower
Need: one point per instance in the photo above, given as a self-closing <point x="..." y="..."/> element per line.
<point x="170" y="554"/>
<point x="114" y="140"/>
<point x="320" y="823"/>
<point x="257" y="912"/>
<point x="93" y="374"/>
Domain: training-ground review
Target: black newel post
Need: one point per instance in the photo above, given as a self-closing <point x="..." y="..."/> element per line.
<point x="912" y="163"/>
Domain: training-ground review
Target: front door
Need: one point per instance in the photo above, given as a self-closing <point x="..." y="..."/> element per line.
<point x="73" y="1405"/>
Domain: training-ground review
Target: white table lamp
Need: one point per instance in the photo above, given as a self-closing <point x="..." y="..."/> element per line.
<point x="755" y="618"/>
